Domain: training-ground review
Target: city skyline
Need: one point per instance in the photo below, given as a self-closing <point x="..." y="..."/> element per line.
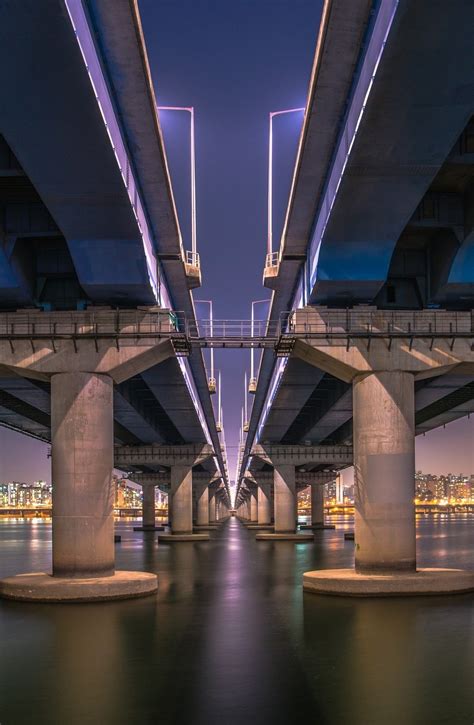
<point x="441" y="451"/>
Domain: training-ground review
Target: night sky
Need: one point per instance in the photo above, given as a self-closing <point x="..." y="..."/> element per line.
<point x="234" y="61"/>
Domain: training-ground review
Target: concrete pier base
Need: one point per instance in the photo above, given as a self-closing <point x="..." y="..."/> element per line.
<point x="41" y="587"/>
<point x="423" y="582"/>
<point x="317" y="527"/>
<point x="285" y="537"/>
<point x="148" y="528"/>
<point x="175" y="538"/>
<point x="209" y="527"/>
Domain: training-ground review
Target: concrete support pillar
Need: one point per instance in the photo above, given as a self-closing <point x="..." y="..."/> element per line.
<point x="202" y="504"/>
<point x="148" y="514"/>
<point x="182" y="499"/>
<point x="317" y="504"/>
<point x="285" y="499"/>
<point x="254" y="505"/>
<point x="212" y="506"/>
<point x="82" y="464"/>
<point x="384" y="465"/>
<point x="264" y="503"/>
<point x="169" y="508"/>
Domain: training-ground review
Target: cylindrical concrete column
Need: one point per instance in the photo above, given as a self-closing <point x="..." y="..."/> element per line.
<point x="384" y="466"/>
<point x="212" y="506"/>
<point x="285" y="499"/>
<point x="169" y="508"/>
<point x="148" y="514"/>
<point x="254" y="505"/>
<point x="264" y="503"/>
<point x="317" y="504"/>
<point x="202" y="504"/>
<point x="181" y="500"/>
<point x="82" y="464"/>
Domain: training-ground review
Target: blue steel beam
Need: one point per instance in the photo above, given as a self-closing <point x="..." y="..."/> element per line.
<point x="412" y="99"/>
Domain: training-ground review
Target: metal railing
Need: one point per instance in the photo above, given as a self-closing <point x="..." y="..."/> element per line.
<point x="376" y="323"/>
<point x="314" y="323"/>
<point x="193" y="259"/>
<point x="228" y="333"/>
<point x="272" y="259"/>
<point x="36" y="324"/>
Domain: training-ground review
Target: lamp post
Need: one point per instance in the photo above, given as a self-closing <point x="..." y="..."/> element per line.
<point x="211" y="380"/>
<point x="245" y="422"/>
<point x="219" y="423"/>
<point x="270" y="261"/>
<point x="194" y="257"/>
<point x="253" y="379"/>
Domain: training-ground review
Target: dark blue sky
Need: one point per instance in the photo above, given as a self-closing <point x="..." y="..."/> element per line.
<point x="234" y="61"/>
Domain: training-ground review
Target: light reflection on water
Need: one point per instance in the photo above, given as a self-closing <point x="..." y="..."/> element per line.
<point x="231" y="638"/>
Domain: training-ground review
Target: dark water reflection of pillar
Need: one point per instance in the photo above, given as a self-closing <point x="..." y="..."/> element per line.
<point x="385" y="661"/>
<point x="247" y="670"/>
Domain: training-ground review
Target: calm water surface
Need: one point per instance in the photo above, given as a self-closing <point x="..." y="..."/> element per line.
<point x="231" y="638"/>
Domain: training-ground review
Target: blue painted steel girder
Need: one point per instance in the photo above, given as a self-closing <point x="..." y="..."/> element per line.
<point x="54" y="125"/>
<point x="414" y="96"/>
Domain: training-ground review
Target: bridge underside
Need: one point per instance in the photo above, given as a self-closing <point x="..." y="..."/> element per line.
<point x="87" y="216"/>
<point x="320" y="412"/>
<point x="403" y="202"/>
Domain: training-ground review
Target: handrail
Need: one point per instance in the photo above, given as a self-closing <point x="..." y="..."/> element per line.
<point x="272" y="259"/>
<point x="317" y="323"/>
<point x="193" y="259"/>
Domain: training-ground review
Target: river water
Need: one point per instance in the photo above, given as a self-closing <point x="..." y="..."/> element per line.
<point x="231" y="638"/>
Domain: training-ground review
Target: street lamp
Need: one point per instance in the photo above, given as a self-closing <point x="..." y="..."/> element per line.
<point x="253" y="380"/>
<point x="192" y="260"/>
<point x="211" y="383"/>
<point x="245" y="422"/>
<point x="220" y="422"/>
<point x="271" y="261"/>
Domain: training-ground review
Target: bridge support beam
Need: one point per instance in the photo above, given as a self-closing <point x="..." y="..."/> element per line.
<point x="83" y="525"/>
<point x="317" y="505"/>
<point x="212" y="506"/>
<point x="317" y="502"/>
<point x="182" y="499"/>
<point x="148" y="512"/>
<point x="202" y="518"/>
<point x="181" y="496"/>
<point x="285" y="499"/>
<point x="384" y="458"/>
<point x="383" y="373"/>
<point x="264" y="504"/>
<point x="285" y="506"/>
<point x="82" y="462"/>
<point x="254" y="505"/>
